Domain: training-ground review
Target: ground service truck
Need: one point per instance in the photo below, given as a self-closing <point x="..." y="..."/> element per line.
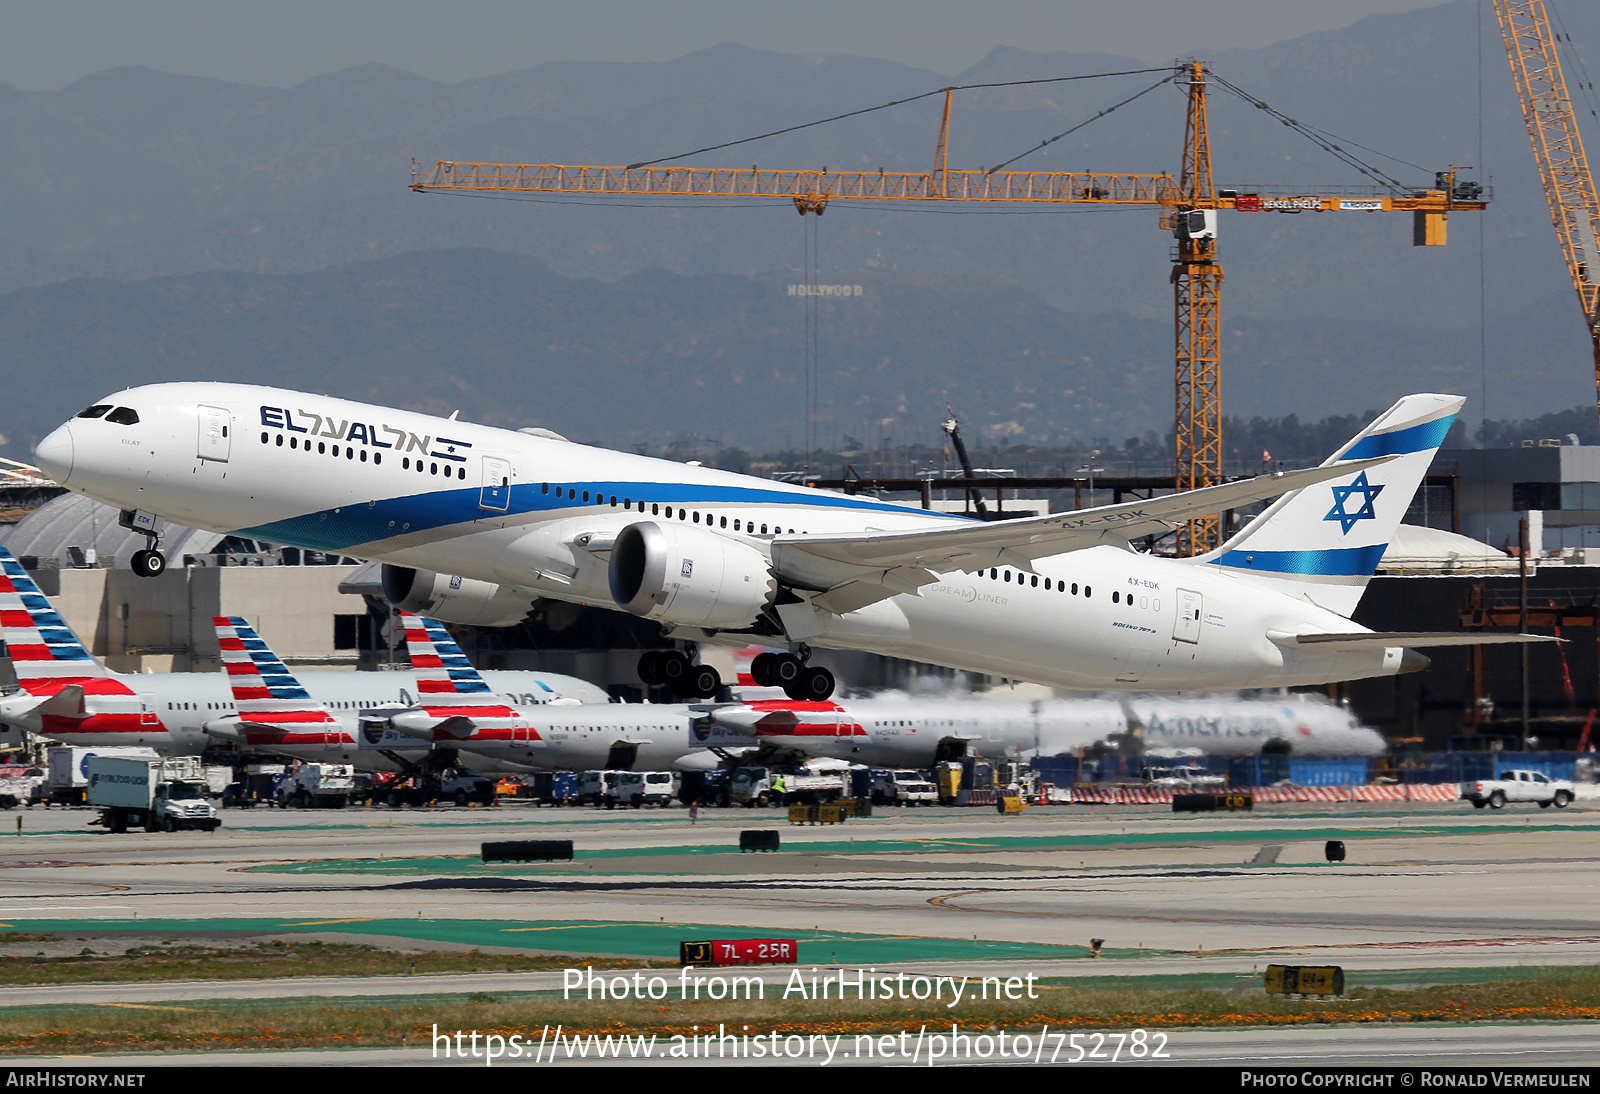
<point x="156" y="794"/>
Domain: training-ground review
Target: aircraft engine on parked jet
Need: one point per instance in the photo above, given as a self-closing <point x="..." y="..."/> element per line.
<point x="689" y="576"/>
<point x="452" y="599"/>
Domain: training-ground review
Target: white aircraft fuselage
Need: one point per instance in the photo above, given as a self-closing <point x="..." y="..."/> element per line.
<point x="168" y="711"/>
<point x="541" y="515"/>
<point x="902" y="731"/>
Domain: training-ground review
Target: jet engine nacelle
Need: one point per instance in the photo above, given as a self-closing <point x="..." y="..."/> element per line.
<point x="689" y="576"/>
<point x="452" y="599"/>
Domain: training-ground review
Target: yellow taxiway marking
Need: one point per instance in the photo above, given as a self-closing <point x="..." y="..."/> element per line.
<point x="146" y="1006"/>
<point x="325" y="922"/>
<point x="571" y="927"/>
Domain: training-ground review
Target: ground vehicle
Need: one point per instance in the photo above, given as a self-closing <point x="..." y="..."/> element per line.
<point x="1518" y="786"/>
<point x="326" y="785"/>
<point x="611" y="788"/>
<point x="550" y="787"/>
<point x="761" y="786"/>
<point x="1184" y="776"/>
<point x="165" y="794"/>
<point x="903" y="787"/>
<point x="660" y="787"/>
<point x="453" y="784"/>
<point x="68" y="776"/>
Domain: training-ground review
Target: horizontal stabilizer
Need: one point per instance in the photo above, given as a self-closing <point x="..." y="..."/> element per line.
<point x="422" y="724"/>
<point x="66" y="703"/>
<point x="1412" y="639"/>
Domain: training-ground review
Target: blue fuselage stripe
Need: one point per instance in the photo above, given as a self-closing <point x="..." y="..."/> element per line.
<point x="335" y="530"/>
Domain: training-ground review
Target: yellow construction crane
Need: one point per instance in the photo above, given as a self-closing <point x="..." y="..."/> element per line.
<point x="1558" y="147"/>
<point x="1189" y="206"/>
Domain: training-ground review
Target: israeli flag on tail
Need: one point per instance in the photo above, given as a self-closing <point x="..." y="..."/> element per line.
<point x="440" y="666"/>
<point x="1323" y="543"/>
<point x="265" y="692"/>
<point x="43" y="648"/>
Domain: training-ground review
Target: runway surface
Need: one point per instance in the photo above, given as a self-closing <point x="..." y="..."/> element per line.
<point x="1429" y="888"/>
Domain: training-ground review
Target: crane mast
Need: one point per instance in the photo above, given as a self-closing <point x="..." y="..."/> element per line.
<point x="1558" y="148"/>
<point x="1197" y="307"/>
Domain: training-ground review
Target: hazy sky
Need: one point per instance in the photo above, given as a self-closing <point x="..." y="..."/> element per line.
<point x="47" y="44"/>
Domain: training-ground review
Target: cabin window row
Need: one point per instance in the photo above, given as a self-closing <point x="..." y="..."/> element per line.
<point x="351" y="452"/>
<point x="1034" y="579"/>
<point x="656" y="509"/>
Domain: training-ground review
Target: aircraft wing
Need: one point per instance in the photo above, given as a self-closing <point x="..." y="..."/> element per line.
<point x="904" y="561"/>
<point x="1411" y="639"/>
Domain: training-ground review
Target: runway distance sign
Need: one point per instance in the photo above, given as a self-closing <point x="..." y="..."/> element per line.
<point x="739" y="951"/>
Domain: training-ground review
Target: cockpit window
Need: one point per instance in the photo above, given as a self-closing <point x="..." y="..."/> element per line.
<point x="94" y="411"/>
<point x="123" y="416"/>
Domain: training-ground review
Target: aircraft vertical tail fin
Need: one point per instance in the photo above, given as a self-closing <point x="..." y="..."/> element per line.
<point x="43" y="648"/>
<point x="265" y="692"/>
<point x="440" y="666"/>
<point x="1323" y="543"/>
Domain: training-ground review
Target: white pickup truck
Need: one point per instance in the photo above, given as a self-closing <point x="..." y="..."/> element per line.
<point x="1518" y="786"/>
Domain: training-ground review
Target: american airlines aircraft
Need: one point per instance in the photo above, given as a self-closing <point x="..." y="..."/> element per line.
<point x="68" y="695"/>
<point x="472" y="523"/>
<point x="906" y="732"/>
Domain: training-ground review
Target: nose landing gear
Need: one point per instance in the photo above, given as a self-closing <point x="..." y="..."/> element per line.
<point x="149" y="562"/>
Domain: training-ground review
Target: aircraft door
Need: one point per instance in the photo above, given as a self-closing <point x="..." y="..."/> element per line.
<point x="496" y="493"/>
<point x="622" y="756"/>
<point x="214" y="441"/>
<point x="1187" y="627"/>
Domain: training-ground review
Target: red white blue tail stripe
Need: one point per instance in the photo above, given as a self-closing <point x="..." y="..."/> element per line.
<point x="48" y="658"/>
<point x="440" y="666"/>
<point x="455" y="702"/>
<point x="43" y="647"/>
<point x="265" y="693"/>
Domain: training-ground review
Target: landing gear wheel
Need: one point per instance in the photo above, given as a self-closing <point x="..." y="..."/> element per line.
<point x="149" y="563"/>
<point x="761" y="669"/>
<point x="814" y="685"/>
<point x="650" y="668"/>
<point x="785" y="670"/>
<point x="702" y="682"/>
<point x="674" y="666"/>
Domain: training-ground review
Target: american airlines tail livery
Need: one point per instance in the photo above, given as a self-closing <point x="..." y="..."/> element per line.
<point x="472" y="523"/>
<point x="67" y="694"/>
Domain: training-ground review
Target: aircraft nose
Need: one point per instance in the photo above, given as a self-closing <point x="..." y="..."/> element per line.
<point x="54" y="454"/>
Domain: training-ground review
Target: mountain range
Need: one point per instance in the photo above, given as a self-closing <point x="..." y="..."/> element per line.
<point x="165" y="227"/>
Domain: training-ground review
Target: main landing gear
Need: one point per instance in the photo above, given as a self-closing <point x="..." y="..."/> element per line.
<point x="799" y="681"/>
<point x="686" y="679"/>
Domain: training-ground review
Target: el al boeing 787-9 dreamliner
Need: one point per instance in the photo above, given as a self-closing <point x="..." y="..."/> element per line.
<point x="473" y="522"/>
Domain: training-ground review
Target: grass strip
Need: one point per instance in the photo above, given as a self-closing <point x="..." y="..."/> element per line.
<point x="271" y="960"/>
<point x="1548" y="996"/>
